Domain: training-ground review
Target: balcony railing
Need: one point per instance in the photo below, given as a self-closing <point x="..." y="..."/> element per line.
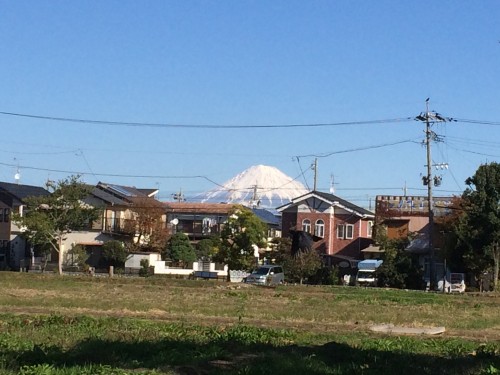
<point x="120" y="226"/>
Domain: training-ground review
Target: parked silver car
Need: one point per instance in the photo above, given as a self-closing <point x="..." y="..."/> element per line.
<point x="267" y="275"/>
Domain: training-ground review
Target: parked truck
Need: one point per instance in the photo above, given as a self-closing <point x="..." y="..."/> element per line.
<point x="366" y="275"/>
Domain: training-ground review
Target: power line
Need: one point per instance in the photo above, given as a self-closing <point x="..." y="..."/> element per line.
<point x="302" y="172"/>
<point x="41" y="153"/>
<point x="473" y="152"/>
<point x="480" y="142"/>
<point x="215" y="126"/>
<point x="200" y="126"/>
<point x="112" y="174"/>
<point x="479" y="122"/>
<point x="326" y="154"/>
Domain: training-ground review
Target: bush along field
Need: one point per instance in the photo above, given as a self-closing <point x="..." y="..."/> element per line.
<point x="157" y="326"/>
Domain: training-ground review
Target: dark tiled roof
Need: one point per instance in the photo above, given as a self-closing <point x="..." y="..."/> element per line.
<point x="22" y="191"/>
<point x="343" y="202"/>
<point x="123" y="191"/>
<point x="108" y="198"/>
<point x="266" y="216"/>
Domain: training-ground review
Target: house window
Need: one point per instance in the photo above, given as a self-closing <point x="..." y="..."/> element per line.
<point x="345" y="231"/>
<point x="306" y="225"/>
<point x="319" y="228"/>
<point x="349" y="231"/>
<point x="370" y="229"/>
<point x="340" y="230"/>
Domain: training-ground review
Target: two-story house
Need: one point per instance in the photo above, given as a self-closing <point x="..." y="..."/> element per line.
<point x="120" y="205"/>
<point x="15" y="252"/>
<point x="341" y="228"/>
<point x="129" y="214"/>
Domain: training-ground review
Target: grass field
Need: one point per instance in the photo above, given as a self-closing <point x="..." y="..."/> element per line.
<point x="91" y="325"/>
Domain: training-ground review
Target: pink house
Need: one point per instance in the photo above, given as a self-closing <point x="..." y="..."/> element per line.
<point x="340" y="229"/>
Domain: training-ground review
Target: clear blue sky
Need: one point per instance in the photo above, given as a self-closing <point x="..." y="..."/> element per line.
<point x="248" y="63"/>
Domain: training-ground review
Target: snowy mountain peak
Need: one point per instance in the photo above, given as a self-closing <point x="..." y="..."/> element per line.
<point x="260" y="185"/>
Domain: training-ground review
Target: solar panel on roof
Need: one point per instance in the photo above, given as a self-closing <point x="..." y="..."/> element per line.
<point x="121" y="190"/>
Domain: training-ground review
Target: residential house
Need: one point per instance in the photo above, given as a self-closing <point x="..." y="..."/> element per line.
<point x="341" y="229"/>
<point x="121" y="208"/>
<point x="197" y="220"/>
<point x="202" y="220"/>
<point x="15" y="252"/>
<point x="272" y="221"/>
<point x="117" y="202"/>
<point x="401" y="216"/>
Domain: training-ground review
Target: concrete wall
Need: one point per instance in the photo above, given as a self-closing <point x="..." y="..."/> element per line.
<point x="160" y="268"/>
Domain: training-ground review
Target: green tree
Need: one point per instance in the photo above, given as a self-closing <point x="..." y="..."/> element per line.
<point x="300" y="266"/>
<point x="48" y="219"/>
<point x="78" y="256"/>
<point x="179" y="249"/>
<point x="242" y="231"/>
<point x="454" y="250"/>
<point x="400" y="269"/>
<point x="115" y="253"/>
<point x="144" y="270"/>
<point x="478" y="228"/>
<point x="207" y="248"/>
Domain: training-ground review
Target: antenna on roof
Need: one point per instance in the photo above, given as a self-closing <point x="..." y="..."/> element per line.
<point x="332" y="184"/>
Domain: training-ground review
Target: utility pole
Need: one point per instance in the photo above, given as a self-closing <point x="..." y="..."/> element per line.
<point x="255" y="202"/>
<point x="179" y="197"/>
<point x="315" y="168"/>
<point x="430" y="118"/>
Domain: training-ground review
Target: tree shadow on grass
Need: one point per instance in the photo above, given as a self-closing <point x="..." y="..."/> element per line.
<point x="235" y="357"/>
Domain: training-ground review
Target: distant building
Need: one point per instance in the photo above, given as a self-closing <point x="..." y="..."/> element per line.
<point x="196" y="220"/>
<point x="401" y="216"/>
<point x="203" y="220"/>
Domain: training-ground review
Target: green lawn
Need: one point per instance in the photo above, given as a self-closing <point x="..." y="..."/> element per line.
<point x="84" y="325"/>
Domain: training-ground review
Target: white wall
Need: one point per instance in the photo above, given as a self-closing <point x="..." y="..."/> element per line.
<point x="160" y="268"/>
<point x="134" y="261"/>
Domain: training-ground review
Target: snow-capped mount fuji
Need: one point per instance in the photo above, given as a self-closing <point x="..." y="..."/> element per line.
<point x="258" y="186"/>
